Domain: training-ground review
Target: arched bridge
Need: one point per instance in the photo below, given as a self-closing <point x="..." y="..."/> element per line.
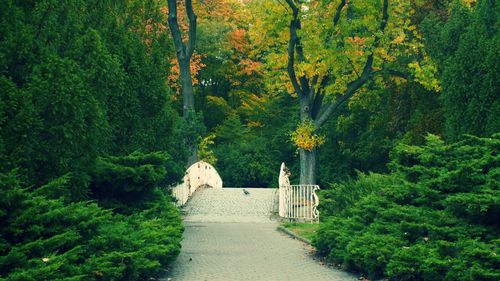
<point x="202" y="186"/>
<point x="230" y="233"/>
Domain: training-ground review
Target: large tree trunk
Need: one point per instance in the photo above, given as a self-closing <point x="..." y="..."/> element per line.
<point x="307" y="158"/>
<point x="187" y="89"/>
<point x="308" y="166"/>
<point x="188" y="111"/>
<point x="184" y="52"/>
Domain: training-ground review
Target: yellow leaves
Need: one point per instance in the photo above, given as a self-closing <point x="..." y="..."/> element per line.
<point x="425" y="73"/>
<point x="384" y="55"/>
<point x="470" y="3"/>
<point x="399" y="39"/>
<point x="305" y="138"/>
<point x="205" y="152"/>
<point x="255" y="124"/>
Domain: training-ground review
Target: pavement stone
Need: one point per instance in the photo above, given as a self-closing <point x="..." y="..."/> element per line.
<point x="231" y="205"/>
<point x="230" y="236"/>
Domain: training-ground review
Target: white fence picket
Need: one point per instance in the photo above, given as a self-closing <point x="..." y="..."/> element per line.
<point x="299" y="202"/>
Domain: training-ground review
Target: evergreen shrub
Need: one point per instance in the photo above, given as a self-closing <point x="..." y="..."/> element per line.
<point x="434" y="217"/>
<point x="45" y="237"/>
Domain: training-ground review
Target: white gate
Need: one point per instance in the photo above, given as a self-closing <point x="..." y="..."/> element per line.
<point x="299" y="202"/>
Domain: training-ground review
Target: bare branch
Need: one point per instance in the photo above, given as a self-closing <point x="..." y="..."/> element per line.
<point x="175" y="30"/>
<point x="294" y="25"/>
<point x="338" y="13"/>
<point x="192" y="28"/>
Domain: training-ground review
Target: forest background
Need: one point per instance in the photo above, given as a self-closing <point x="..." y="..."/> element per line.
<point x="91" y="128"/>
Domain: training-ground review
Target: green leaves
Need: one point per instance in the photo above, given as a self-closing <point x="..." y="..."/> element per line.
<point x="79" y="81"/>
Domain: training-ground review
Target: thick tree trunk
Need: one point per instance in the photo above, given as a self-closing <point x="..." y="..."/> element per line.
<point x="187" y="89"/>
<point x="184" y="53"/>
<point x="308" y="166"/>
<point x="307" y="158"/>
<point x="188" y="106"/>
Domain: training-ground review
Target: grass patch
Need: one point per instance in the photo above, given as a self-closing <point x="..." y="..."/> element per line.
<point x="304" y="230"/>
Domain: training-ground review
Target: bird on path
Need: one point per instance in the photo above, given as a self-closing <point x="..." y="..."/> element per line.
<point x="246" y="192"/>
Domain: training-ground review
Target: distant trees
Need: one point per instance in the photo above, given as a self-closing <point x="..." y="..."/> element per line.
<point x="466" y="45"/>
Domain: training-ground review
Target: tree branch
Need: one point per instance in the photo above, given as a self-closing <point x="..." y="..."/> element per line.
<point x="175" y="30"/>
<point x="353" y="86"/>
<point x="294" y="25"/>
<point x="318" y="96"/>
<point x="338" y="13"/>
<point x="192" y="28"/>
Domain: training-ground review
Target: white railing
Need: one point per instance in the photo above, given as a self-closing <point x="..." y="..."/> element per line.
<point x="299" y="202"/>
<point x="198" y="175"/>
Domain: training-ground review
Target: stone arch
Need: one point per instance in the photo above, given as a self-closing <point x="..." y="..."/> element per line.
<point x="202" y="174"/>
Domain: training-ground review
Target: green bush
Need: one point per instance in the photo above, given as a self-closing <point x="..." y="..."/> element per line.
<point x="434" y="217"/>
<point x="124" y="183"/>
<point x="44" y="238"/>
<point x="342" y="195"/>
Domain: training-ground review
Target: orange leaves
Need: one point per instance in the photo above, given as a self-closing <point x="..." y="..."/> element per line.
<point x="358" y="44"/>
<point x="250" y="67"/>
<point x="240" y="43"/>
<point x="195" y="65"/>
<point x="238" y="39"/>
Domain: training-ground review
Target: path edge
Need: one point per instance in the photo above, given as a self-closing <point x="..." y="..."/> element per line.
<point x="293" y="235"/>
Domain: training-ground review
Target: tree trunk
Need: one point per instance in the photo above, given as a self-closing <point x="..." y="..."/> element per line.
<point x="188" y="106"/>
<point x="307" y="158"/>
<point x="308" y="166"/>
<point x="184" y="53"/>
<point x="187" y="89"/>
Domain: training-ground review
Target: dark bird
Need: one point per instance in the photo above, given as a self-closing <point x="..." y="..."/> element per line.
<point x="246" y="192"/>
<point x="190" y="259"/>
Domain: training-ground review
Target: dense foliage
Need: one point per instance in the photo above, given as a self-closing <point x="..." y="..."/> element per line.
<point x="467" y="45"/>
<point x="43" y="237"/>
<point x="434" y="217"/>
<point x="76" y="85"/>
<point x="88" y="133"/>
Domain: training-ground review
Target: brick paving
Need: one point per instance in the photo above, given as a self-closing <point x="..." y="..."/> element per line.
<point x="230" y="236"/>
<point x="231" y="205"/>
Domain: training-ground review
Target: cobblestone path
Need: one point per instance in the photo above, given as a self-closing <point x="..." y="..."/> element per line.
<point x="230" y="236"/>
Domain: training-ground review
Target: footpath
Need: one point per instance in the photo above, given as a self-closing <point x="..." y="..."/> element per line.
<point x="231" y="235"/>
